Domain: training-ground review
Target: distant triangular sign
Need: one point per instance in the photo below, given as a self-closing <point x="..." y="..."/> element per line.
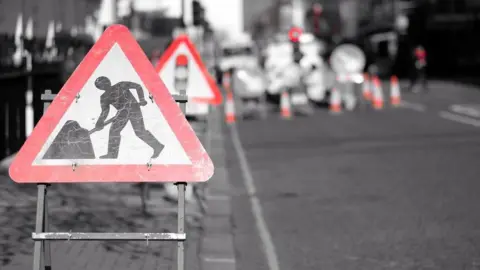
<point x="113" y="121"/>
<point x="200" y="85"/>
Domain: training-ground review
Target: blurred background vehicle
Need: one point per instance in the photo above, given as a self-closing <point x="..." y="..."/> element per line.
<point x="237" y="51"/>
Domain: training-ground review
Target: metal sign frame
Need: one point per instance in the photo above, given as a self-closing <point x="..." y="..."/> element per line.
<point x="42" y="236"/>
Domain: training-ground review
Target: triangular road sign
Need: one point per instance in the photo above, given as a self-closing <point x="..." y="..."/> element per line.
<point x="145" y="137"/>
<point x="199" y="84"/>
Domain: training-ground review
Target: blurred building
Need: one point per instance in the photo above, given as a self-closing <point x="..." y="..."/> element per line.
<point x="339" y="18"/>
<point x="451" y="33"/>
<point x="447" y="28"/>
<point x="254" y="9"/>
<point x="68" y="13"/>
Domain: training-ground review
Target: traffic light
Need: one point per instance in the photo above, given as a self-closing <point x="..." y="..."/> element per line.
<point x="198" y="13"/>
<point x="294" y="36"/>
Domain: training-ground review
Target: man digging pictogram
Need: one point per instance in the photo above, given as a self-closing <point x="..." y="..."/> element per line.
<point x="128" y="110"/>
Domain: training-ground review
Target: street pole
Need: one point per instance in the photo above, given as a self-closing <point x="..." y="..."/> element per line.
<point x="297" y="13"/>
<point x="349" y="18"/>
<point x="108" y="13"/>
<point x="113" y="12"/>
<point x="183" y="13"/>
<point x="181" y="187"/>
<point x="183" y="21"/>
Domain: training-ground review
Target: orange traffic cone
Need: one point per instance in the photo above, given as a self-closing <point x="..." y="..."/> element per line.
<point x="378" y="94"/>
<point x="366" y="88"/>
<point x="335" y="101"/>
<point x="285" y="106"/>
<point x="229" y="108"/>
<point x="395" y="98"/>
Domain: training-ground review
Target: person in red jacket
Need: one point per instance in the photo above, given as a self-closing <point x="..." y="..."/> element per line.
<point x="418" y="70"/>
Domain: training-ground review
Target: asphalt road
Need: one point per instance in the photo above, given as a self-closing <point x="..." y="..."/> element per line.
<point x="391" y="189"/>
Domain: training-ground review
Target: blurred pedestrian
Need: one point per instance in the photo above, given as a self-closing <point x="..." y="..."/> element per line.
<point x="418" y="70"/>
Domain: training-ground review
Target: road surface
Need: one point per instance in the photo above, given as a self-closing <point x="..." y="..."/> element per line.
<point x="391" y="189"/>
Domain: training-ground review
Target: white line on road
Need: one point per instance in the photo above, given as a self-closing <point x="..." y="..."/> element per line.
<point x="469" y="110"/>
<point x="265" y="235"/>
<point x="218" y="198"/>
<point x="459" y="118"/>
<point x="219" y="260"/>
<point x="413" y="106"/>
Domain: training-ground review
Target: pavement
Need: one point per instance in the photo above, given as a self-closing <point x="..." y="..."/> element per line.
<point x="86" y="208"/>
<point x="391" y="189"/>
<point x="108" y="208"/>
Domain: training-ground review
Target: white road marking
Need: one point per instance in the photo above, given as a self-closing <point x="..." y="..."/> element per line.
<point x="219" y="260"/>
<point x="413" y="106"/>
<point x="265" y="235"/>
<point x="218" y="198"/>
<point x="459" y="118"/>
<point x="469" y="110"/>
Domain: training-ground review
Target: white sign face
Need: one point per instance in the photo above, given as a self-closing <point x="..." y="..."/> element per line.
<point x="141" y="128"/>
<point x="197" y="85"/>
<point x="347" y="58"/>
<point x="197" y="108"/>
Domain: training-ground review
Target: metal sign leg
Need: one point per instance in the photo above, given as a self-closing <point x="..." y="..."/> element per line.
<point x="181" y="205"/>
<point x="144" y="196"/>
<point x="181" y="225"/>
<point x="46" y="244"/>
<point x="38" y="250"/>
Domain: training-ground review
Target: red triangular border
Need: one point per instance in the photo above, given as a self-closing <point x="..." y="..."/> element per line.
<point x="22" y="170"/>
<point x="184" y="39"/>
